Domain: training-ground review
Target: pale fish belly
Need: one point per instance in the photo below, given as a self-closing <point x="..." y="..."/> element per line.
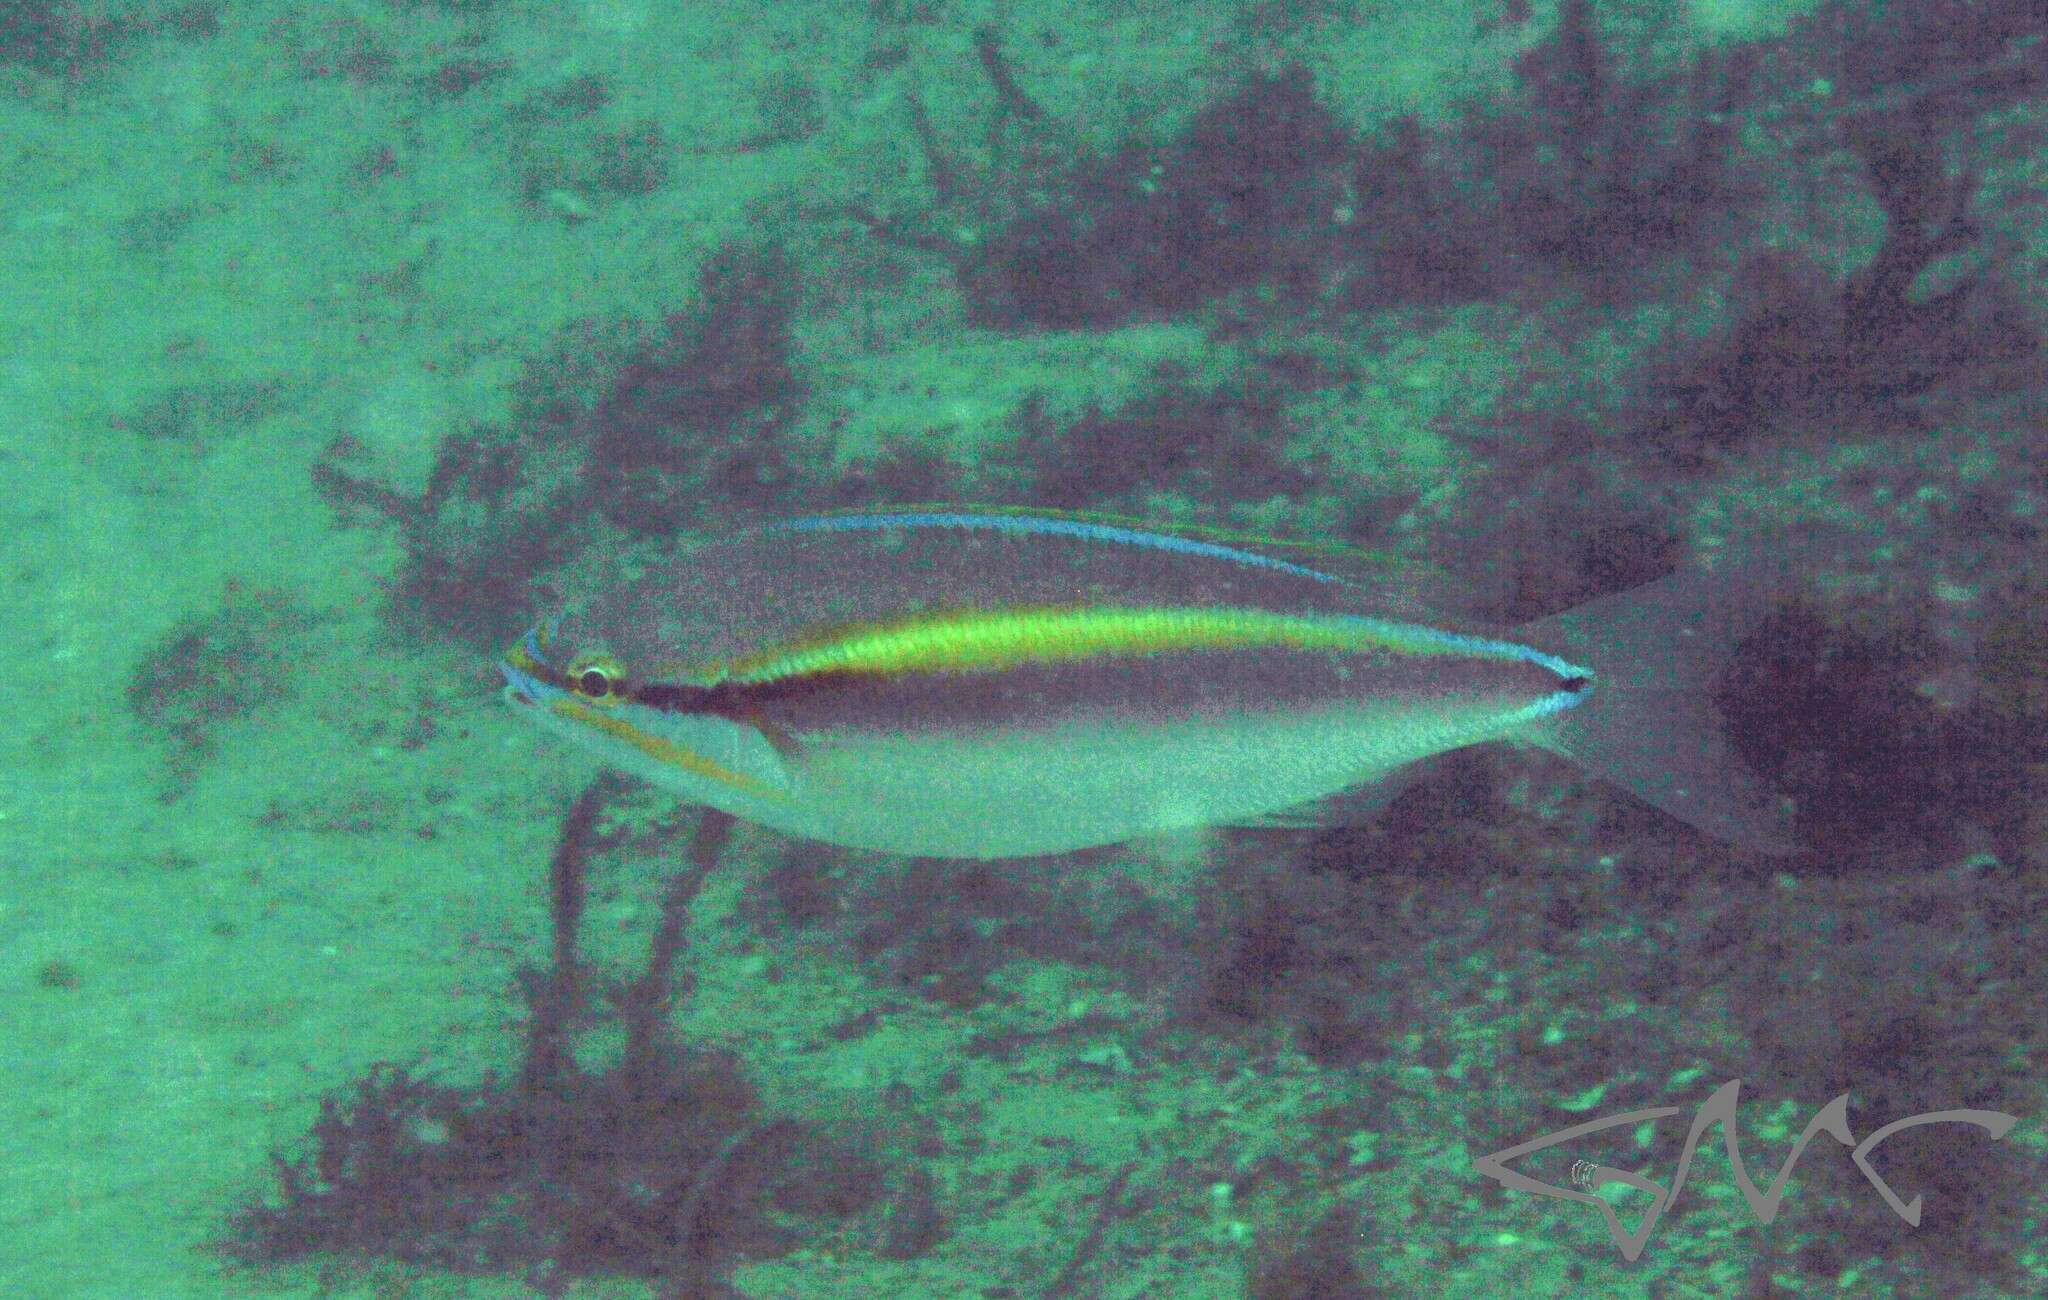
<point x="1034" y="790"/>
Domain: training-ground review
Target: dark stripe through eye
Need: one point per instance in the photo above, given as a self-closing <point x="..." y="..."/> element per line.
<point x="1573" y="685"/>
<point x="675" y="699"/>
<point x="733" y="699"/>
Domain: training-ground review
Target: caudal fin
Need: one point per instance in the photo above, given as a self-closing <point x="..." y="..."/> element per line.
<point x="1650" y="724"/>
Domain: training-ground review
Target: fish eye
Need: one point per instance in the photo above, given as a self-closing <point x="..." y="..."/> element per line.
<point x="597" y="678"/>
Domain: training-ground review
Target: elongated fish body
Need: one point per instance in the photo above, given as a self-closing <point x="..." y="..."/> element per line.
<point x="988" y="685"/>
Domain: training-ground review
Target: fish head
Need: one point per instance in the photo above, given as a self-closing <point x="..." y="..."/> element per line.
<point x="560" y="666"/>
<point x="574" y="678"/>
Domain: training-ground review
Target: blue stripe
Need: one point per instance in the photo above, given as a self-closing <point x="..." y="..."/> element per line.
<point x="1486" y="647"/>
<point x="1035" y="524"/>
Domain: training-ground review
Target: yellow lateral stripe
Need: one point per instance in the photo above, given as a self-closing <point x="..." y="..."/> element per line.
<point x="977" y="641"/>
<point x="662" y="751"/>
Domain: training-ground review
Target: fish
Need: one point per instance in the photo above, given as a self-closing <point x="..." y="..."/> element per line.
<point x="976" y="683"/>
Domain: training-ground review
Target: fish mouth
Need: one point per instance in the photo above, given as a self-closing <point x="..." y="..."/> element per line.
<point x="526" y="671"/>
<point x="524" y="687"/>
<point x="521" y="685"/>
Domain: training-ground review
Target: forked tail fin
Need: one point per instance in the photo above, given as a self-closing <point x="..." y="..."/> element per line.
<point x="1650" y="724"/>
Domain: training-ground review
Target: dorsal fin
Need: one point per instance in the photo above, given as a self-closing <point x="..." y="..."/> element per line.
<point x="1395" y="586"/>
